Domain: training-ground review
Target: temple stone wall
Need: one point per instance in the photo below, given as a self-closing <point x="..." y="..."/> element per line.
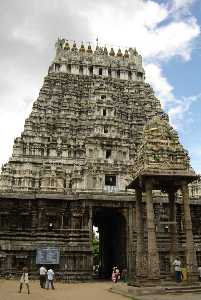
<point x="73" y="163"/>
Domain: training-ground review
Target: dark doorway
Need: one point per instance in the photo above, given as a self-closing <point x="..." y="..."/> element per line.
<point x="112" y="231"/>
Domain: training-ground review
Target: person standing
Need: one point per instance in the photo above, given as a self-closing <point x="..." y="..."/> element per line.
<point x="177" y="268"/>
<point x="43" y="275"/>
<point x="117" y="273"/>
<point x="124" y="275"/>
<point x="50" y="279"/>
<point x="114" y="274"/>
<point x="199" y="271"/>
<point x="24" y="280"/>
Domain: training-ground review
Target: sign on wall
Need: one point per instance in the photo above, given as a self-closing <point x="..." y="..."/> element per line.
<point x="47" y="256"/>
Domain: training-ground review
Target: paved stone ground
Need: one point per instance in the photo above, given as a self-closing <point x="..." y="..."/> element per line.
<point x="74" y="291"/>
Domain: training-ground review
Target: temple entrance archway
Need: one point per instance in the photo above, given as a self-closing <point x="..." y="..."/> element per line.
<point x="112" y="230"/>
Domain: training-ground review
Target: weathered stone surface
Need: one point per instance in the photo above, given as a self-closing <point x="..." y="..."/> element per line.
<point x="94" y="124"/>
<point x="161" y="152"/>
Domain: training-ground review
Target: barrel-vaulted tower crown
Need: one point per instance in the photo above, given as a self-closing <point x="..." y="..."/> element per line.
<point x="83" y="60"/>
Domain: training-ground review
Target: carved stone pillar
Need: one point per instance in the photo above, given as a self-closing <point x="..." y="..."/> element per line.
<point x="191" y="259"/>
<point x="62" y="221"/>
<point x="141" y="260"/>
<point x="172" y="228"/>
<point x="9" y="261"/>
<point x="152" y="255"/>
<point x="34" y="220"/>
<point x="90" y="226"/>
<point x="90" y="223"/>
<point x="131" y="261"/>
<point x="41" y="218"/>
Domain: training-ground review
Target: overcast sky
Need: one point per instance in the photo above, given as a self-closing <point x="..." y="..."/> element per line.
<point x="166" y="33"/>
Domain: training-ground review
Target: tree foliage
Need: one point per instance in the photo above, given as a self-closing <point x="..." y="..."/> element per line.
<point x="95" y="245"/>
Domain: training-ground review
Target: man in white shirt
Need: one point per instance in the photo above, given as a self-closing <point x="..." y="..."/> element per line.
<point x="50" y="278"/>
<point x="177" y="268"/>
<point x="43" y="275"/>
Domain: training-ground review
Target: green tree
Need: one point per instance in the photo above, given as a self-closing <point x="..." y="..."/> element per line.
<point x="95" y="248"/>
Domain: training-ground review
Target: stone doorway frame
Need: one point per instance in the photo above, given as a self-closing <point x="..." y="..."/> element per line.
<point x="123" y="214"/>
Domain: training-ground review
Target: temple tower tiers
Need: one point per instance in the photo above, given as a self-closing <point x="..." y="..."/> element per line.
<point x="93" y="152"/>
<point x="86" y="123"/>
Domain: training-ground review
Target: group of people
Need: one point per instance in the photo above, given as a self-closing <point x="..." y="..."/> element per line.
<point x="46" y="279"/>
<point x="47" y="276"/>
<point x="181" y="272"/>
<point x="116" y="275"/>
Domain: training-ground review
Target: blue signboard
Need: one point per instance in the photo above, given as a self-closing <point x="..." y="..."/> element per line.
<point x="47" y="256"/>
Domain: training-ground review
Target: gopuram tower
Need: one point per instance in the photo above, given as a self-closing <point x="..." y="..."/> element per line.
<point x="91" y="153"/>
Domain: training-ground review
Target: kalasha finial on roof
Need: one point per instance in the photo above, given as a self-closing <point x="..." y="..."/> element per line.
<point x="89" y="50"/>
<point x="66" y="45"/>
<point x="74" y="48"/>
<point x="97" y="47"/>
<point x="112" y="53"/>
<point x="105" y="50"/>
<point x="119" y="54"/>
<point x="82" y="49"/>
<point x="135" y="51"/>
<point x="126" y="54"/>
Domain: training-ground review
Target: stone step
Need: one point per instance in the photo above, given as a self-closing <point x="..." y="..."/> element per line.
<point x="183" y="289"/>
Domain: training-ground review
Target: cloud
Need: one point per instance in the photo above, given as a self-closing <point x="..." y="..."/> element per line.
<point x="149" y="26"/>
<point x="195" y="154"/>
<point x="182" y="4"/>
<point x="165" y="44"/>
<point x="160" y="84"/>
<point x="180" y="108"/>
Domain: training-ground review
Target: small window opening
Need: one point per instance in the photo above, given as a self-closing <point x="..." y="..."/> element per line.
<point x="105" y="129"/>
<point x="108" y="153"/>
<point x="129" y="75"/>
<point x="69" y="68"/>
<point x="90" y="152"/>
<point x="110" y="180"/>
<point x="52" y="182"/>
<point x="104" y="112"/>
<point x="81" y="70"/>
<point x="109" y="72"/>
<point x="118" y="73"/>
<point x="140" y="74"/>
<point x="103" y="97"/>
<point x="100" y="72"/>
<point x="91" y="70"/>
<point x="57" y="67"/>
